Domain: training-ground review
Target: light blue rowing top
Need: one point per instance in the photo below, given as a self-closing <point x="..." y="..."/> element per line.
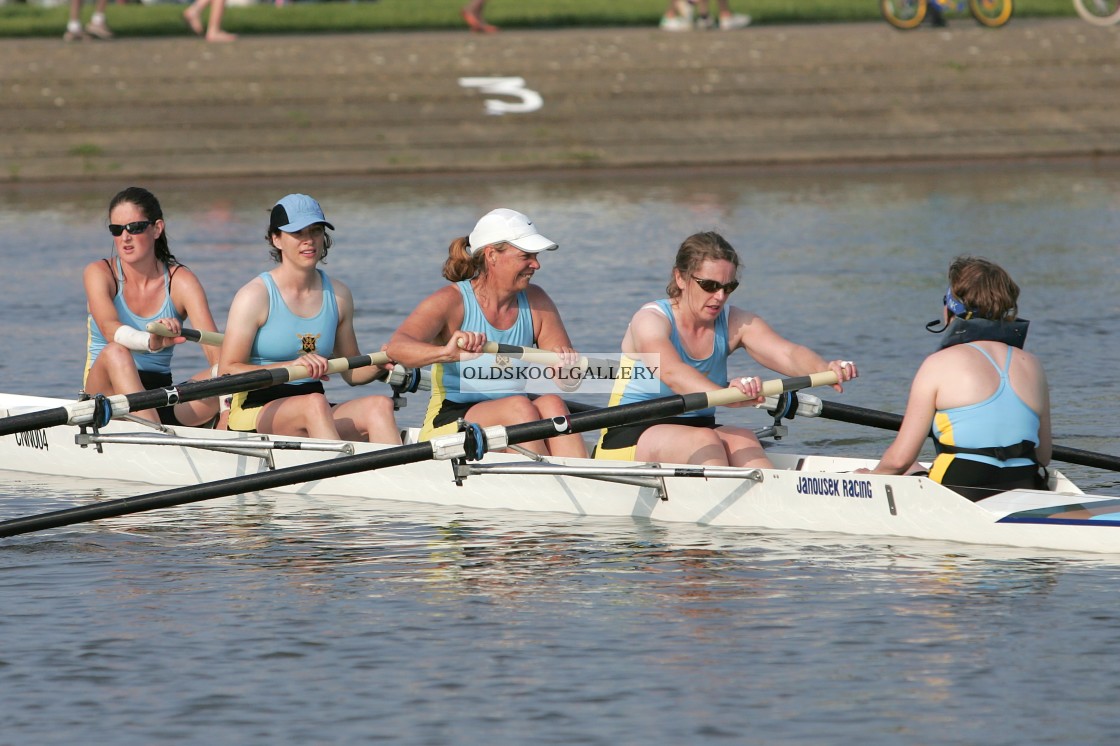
<point x="153" y="362"/>
<point x="285" y="336"/>
<point x="636" y="383"/>
<point x="1003" y="419"/>
<point x="478" y="386"/>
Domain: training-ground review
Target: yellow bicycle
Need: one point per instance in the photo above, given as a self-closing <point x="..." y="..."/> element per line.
<point x="909" y="14"/>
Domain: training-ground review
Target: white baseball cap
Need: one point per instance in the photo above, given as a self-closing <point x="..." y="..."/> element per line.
<point x="508" y="226"/>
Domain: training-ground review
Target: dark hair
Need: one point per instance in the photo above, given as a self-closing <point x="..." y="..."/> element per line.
<point x="461" y="265"/>
<point x="275" y="252"/>
<point x="697" y="249"/>
<point x="985" y="288"/>
<point x="148" y="205"/>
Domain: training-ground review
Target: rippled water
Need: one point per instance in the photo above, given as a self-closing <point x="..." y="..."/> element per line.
<point x="257" y="621"/>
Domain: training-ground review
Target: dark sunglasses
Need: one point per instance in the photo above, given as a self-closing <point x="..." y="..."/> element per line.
<point x="133" y="228"/>
<point x="711" y="286"/>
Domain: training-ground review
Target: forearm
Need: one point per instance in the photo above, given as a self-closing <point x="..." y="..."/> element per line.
<point x="415" y="353"/>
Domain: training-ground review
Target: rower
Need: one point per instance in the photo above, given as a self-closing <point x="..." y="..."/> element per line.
<point x="492" y="299"/>
<point x="142" y="282"/>
<point x="680" y="344"/>
<point x="985" y="400"/>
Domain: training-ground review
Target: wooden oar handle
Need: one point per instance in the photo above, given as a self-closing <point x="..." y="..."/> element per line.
<point x="773" y="387"/>
<point x="214" y="339"/>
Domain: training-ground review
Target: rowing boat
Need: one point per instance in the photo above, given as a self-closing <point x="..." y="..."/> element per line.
<point x="804" y="492"/>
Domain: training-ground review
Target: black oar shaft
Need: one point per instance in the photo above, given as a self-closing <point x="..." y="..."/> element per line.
<point x="83" y="412"/>
<point x="889" y="421"/>
<point x="222" y="488"/>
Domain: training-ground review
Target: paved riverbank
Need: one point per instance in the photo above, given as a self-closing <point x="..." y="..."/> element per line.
<point x="393" y="103"/>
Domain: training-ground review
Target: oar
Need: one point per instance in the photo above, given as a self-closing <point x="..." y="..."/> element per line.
<point x="213" y="339"/>
<point x="545" y="357"/>
<point x="889" y="421"/>
<point x="102" y="409"/>
<point x="472" y="443"/>
<point x="408" y="379"/>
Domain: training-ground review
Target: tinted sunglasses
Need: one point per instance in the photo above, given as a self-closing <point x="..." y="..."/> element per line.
<point x="134" y="228"/>
<point x="955" y="306"/>
<point x="711" y="286"/>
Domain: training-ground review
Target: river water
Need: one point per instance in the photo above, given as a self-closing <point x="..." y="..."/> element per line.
<point x="269" y="624"/>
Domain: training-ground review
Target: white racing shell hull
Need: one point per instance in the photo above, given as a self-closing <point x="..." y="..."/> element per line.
<point x="816" y="493"/>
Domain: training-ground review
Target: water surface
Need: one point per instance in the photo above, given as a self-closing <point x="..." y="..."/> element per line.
<point x="260" y="621"/>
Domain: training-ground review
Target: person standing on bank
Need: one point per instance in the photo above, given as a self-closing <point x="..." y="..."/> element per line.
<point x="985" y="400"/>
<point x="142" y="282"/>
<point x="492" y="299"/>
<point x="680" y="345"/>
<point x="296" y="315"/>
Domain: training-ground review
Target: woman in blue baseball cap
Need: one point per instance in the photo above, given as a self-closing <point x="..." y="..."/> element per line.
<point x="295" y="314"/>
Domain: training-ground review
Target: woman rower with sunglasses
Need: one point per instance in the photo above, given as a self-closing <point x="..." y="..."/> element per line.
<point x="680" y="345"/>
<point x="142" y="282"/>
<point x="985" y="398"/>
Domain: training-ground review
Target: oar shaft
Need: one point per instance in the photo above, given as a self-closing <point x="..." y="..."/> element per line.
<point x="889" y="421"/>
<point x="84" y="412"/>
<point x="444" y="447"/>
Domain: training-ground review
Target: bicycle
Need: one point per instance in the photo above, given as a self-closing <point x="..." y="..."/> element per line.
<point x="1098" y="12"/>
<point x="909" y="14"/>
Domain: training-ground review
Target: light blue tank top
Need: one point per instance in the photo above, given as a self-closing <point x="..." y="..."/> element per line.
<point x="480" y="384"/>
<point x="153" y="362"/>
<point x="1003" y="419"/>
<point x="636" y="386"/>
<point x="285" y="336"/>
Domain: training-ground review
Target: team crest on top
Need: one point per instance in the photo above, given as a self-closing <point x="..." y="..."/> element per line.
<point x="307" y="343"/>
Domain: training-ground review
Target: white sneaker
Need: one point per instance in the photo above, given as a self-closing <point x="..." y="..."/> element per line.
<point x="734" y="21"/>
<point x="675" y="23"/>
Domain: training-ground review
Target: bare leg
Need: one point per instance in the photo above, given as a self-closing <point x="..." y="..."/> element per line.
<point x="472" y="14"/>
<point x="97" y="27"/>
<point x="214" y="26"/>
<point x="308" y="415"/>
<point x="562" y="445"/>
<point x="114" y="372"/>
<point x="518" y="409"/>
<point x="370" y="419"/>
<point x="74" y="24"/>
<point x="197" y="412"/>
<point x="193" y="15"/>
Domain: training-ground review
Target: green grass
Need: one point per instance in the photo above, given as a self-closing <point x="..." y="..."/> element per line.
<point x="20" y="20"/>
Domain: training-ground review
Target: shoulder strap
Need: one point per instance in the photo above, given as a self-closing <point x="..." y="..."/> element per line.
<point x="113" y="273"/>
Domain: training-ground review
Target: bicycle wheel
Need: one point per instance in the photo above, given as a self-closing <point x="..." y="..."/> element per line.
<point x="1098" y="12"/>
<point x="991" y="13"/>
<point x="904" y="14"/>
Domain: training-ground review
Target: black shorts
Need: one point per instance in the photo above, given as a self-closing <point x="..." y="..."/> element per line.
<point x="977" y="480"/>
<point x="450" y="411"/>
<point x="626" y="436"/>
<point x="152" y="380"/>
